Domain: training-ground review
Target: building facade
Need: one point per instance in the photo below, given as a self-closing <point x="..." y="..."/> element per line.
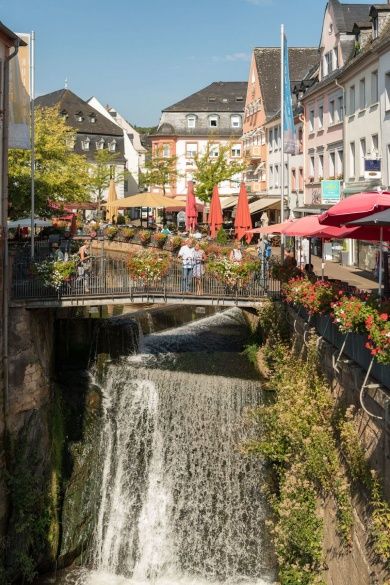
<point x="94" y="131"/>
<point x="213" y="116"/>
<point x="133" y="150"/>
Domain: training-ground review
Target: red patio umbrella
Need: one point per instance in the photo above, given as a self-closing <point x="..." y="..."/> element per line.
<point x="276" y="228"/>
<point x="309" y="226"/>
<point x="356" y="207"/>
<point x="215" y="215"/>
<point x="243" y="220"/>
<point x="191" y="210"/>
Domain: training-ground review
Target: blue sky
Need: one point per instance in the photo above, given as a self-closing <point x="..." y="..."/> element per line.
<point x="143" y="55"/>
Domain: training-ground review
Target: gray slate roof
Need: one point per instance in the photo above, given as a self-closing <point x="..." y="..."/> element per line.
<point x="346" y="15"/>
<point x="211" y="98"/>
<point x="72" y="104"/>
<point x="303" y="61"/>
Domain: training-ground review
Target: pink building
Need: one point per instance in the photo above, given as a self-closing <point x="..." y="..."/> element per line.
<point x="324" y="102"/>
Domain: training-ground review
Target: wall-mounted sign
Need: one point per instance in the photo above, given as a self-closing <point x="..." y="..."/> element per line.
<point x="372" y="169"/>
<point x="330" y="192"/>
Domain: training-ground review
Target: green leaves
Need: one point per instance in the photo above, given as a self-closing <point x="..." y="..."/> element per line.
<point x="160" y="171"/>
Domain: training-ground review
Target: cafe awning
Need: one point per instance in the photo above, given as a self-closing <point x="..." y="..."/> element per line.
<point x="265" y="203"/>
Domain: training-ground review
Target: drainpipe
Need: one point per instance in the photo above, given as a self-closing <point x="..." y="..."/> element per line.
<point x="4" y="228"/>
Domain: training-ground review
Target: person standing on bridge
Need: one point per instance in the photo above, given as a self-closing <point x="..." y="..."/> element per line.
<point x="187" y="255"/>
<point x="84" y="266"/>
<point x="198" y="270"/>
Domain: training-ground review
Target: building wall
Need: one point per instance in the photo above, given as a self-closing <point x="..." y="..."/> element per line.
<point x="362" y="123"/>
<point x="383" y="69"/>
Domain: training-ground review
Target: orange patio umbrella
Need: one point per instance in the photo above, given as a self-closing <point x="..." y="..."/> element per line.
<point x="191" y="210"/>
<point x="215" y="215"/>
<point x="243" y="220"/>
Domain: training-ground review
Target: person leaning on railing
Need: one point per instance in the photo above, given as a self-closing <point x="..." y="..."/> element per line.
<point x="84" y="266"/>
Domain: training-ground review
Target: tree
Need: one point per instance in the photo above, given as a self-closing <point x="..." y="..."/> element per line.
<point x="160" y="170"/>
<point x="212" y="170"/>
<point x="102" y="170"/>
<point x="60" y="174"/>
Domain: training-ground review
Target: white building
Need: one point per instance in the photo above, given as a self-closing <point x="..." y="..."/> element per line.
<point x="134" y="151"/>
<point x="384" y="99"/>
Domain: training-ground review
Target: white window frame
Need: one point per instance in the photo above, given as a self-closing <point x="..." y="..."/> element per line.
<point x="312" y="166"/>
<point x="191" y="152"/>
<point x="235" y="121"/>
<point x="363" y="154"/>
<point x="332" y="112"/>
<point x="235" y="151"/>
<point x="375" y="145"/>
<point x="362" y="94"/>
<point x="352" y="100"/>
<point x="332" y="163"/>
<point x="320" y="117"/>
<point x="387" y="91"/>
<point x="320" y="166"/>
<point x="213" y="118"/>
<point x="112" y="146"/>
<point x="166" y="150"/>
<point x="85" y="143"/>
<point x="374" y="87"/>
<point x="340" y="108"/>
<point x="340" y="162"/>
<point x="214" y="150"/>
<point x="191" y="121"/>
<point x="100" y="144"/>
<point x="311" y="120"/>
<point x="352" y="160"/>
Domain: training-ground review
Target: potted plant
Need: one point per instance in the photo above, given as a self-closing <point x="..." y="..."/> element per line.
<point x="128" y="233"/>
<point x="148" y="266"/>
<point x="350" y="313"/>
<point x="55" y="273"/>
<point x="176" y="243"/>
<point x="160" y="239"/>
<point x="378" y="329"/>
<point x="144" y="237"/>
<point x="111" y="232"/>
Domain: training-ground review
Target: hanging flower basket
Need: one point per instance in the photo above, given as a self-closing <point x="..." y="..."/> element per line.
<point x="55" y="273"/>
<point x="148" y="267"/>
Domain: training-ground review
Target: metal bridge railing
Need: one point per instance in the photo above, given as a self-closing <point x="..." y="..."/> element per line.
<point x="109" y="277"/>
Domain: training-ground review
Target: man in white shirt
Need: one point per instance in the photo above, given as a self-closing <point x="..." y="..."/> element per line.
<point x="186" y="253"/>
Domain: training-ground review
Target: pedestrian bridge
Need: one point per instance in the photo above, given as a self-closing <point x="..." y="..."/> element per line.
<point x="107" y="282"/>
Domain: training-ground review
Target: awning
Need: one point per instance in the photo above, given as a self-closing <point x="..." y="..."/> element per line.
<point x="174" y="208"/>
<point x="264" y="203"/>
<point x="229" y="202"/>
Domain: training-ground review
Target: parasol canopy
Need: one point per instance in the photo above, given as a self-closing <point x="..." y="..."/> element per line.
<point x="215" y="215"/>
<point x="381" y="219"/>
<point x="355" y="207"/>
<point x="243" y="220"/>
<point x="152" y="200"/>
<point x="191" y="210"/>
<point x="276" y="228"/>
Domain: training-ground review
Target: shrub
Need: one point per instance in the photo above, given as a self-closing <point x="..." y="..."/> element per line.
<point x="55" y="273"/>
<point x="222" y="237"/>
<point x="145" y="236"/>
<point x="378" y="329"/>
<point x="176" y="243"/>
<point x="148" y="266"/>
<point x="231" y="273"/>
<point x="128" y="233"/>
<point x="111" y="232"/>
<point x="121" y="220"/>
<point x="350" y="314"/>
<point x="160" y="239"/>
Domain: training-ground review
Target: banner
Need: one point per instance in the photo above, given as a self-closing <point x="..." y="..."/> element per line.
<point x="19" y="97"/>
<point x="289" y="137"/>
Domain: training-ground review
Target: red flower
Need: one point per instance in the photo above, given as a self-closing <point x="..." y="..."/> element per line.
<point x="383" y="317"/>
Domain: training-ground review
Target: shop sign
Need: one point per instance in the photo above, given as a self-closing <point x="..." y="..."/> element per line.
<point x="330" y="192"/>
<point x="372" y="169"/>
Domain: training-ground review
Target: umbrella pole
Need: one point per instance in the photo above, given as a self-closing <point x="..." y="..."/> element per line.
<point x="380" y="263"/>
<point x="323" y="262"/>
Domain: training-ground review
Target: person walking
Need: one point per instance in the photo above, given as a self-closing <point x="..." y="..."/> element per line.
<point x="186" y="254"/>
<point x="198" y="270"/>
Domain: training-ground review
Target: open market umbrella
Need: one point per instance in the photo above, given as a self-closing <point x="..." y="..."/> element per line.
<point x="276" y="228"/>
<point x="111" y="209"/>
<point x="356" y="207"/>
<point x="191" y="210"/>
<point x="215" y="215"/>
<point x="243" y="220"/>
<point x="152" y="200"/>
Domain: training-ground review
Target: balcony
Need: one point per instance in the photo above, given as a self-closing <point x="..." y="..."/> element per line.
<point x="253" y="152"/>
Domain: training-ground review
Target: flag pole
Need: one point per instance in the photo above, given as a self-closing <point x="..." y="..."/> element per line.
<point x="282" y="45"/>
<point x="32" y="137"/>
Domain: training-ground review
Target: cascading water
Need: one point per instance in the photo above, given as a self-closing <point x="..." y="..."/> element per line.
<point x="180" y="504"/>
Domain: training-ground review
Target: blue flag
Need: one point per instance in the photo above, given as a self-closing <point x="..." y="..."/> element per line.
<point x="288" y="126"/>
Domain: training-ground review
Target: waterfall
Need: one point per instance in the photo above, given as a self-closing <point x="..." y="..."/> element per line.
<point x="180" y="503"/>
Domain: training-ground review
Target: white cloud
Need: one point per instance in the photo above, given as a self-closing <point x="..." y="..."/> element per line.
<point x="232" y="57"/>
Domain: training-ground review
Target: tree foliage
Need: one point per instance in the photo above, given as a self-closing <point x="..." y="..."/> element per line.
<point x="103" y="170"/>
<point x="211" y="170"/>
<point x="160" y="171"/>
<point x="60" y="174"/>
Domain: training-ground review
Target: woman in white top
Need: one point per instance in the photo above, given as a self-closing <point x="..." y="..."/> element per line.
<point x="236" y="254"/>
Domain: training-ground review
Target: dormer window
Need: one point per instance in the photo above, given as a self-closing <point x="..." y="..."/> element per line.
<point x="100" y="144"/>
<point x="92" y="118"/>
<point x="191" y="121"/>
<point x="235" y="121"/>
<point x="212" y="98"/>
<point x="64" y="115"/>
<point x="239" y="98"/>
<point x="213" y="121"/>
<point x="79" y="117"/>
<point x="70" y="142"/>
<point x="85" y="143"/>
<point x="375" y="27"/>
<point x="112" y="146"/>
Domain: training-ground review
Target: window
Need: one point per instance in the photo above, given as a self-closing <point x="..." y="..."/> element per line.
<point x="212" y="99"/>
<point x="311" y="121"/>
<point x="166" y="150"/>
<point x="276" y="175"/>
<point x="374" y="87"/>
<point x="352" y="104"/>
<point x="301" y="179"/>
<point x="340" y="108"/>
<point x="321" y="116"/>
<point x="70" y="142"/>
<point x="335" y="59"/>
<point x="235" y="121"/>
<point x="271" y="177"/>
<point x="293" y="180"/>
<point x="286" y="175"/>
<point x="79" y="116"/>
<point x="332" y="164"/>
<point x="362" y="94"/>
<point x="331" y="112"/>
<point x="239" y="98"/>
<point x="340" y="163"/>
<point x="214" y="151"/>
<point x="191" y="121"/>
<point x="100" y="144"/>
<point x="191" y="149"/>
<point x="387" y="92"/>
<point x="321" y="166"/>
<point x="311" y="166"/>
<point x="352" y="160"/>
<point x="85" y="143"/>
<point x="374" y="145"/>
<point x="112" y="146"/>
<point x="92" y="118"/>
<point x="328" y="63"/>
<point x="300" y="140"/>
<point x="64" y="115"/>
<point x="363" y="153"/>
<point x="236" y="151"/>
<point x="213" y="121"/>
<point x="270" y="138"/>
<point x="375" y="27"/>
